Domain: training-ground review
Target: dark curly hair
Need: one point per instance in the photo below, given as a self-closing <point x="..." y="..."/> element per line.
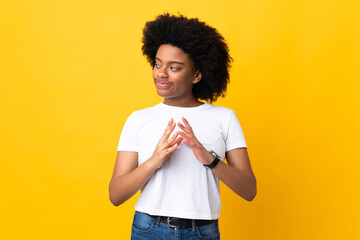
<point x="204" y="44"/>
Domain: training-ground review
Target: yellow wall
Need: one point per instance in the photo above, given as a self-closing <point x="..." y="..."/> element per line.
<point x="72" y="71"/>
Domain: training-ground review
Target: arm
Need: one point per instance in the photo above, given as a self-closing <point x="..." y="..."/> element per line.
<point x="237" y="175"/>
<point x="128" y="177"/>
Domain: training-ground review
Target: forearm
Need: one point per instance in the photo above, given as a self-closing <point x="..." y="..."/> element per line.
<point x="124" y="187"/>
<point x="242" y="182"/>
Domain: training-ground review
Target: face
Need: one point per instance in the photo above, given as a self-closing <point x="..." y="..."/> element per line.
<point x="174" y="74"/>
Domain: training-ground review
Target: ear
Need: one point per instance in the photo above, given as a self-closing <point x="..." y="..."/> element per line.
<point x="197" y="77"/>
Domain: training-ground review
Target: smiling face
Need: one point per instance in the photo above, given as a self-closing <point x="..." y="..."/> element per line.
<point x="174" y="75"/>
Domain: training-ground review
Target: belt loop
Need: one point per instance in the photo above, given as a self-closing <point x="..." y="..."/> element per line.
<point x="193" y="225"/>
<point x="157" y="223"/>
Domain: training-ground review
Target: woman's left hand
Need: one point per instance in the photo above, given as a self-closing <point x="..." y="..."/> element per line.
<point x="189" y="138"/>
<point x="237" y="175"/>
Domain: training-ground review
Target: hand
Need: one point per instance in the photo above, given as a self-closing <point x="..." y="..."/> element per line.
<point x="165" y="146"/>
<point x="189" y="138"/>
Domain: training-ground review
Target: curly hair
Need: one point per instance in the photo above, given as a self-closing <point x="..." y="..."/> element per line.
<point x="204" y="44"/>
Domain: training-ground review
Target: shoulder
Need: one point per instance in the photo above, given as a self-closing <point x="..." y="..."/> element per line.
<point x="224" y="115"/>
<point x="222" y="111"/>
<point x="148" y="110"/>
<point x="141" y="114"/>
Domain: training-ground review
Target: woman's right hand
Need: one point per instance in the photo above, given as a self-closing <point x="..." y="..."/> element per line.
<point x="128" y="177"/>
<point x="165" y="146"/>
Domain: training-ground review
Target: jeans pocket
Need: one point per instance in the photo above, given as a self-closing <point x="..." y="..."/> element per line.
<point x="210" y="231"/>
<point x="143" y="223"/>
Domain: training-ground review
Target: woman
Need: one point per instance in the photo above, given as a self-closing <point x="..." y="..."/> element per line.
<point x="178" y="169"/>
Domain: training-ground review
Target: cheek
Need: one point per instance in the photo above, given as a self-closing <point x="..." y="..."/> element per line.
<point x="187" y="80"/>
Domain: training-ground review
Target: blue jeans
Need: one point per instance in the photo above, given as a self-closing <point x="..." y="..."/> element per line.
<point x="147" y="228"/>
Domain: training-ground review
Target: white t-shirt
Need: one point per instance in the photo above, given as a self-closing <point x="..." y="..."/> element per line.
<point x="182" y="187"/>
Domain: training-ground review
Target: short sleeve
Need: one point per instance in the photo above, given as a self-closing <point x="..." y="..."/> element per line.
<point x="235" y="137"/>
<point x="128" y="138"/>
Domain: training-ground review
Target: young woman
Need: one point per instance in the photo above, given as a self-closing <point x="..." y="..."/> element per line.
<point x="174" y="151"/>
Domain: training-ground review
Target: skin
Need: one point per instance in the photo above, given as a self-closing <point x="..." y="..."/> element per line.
<point x="175" y="70"/>
<point x="174" y="75"/>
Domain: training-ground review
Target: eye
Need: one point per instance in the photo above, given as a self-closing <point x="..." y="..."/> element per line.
<point x="157" y="65"/>
<point x="174" y="68"/>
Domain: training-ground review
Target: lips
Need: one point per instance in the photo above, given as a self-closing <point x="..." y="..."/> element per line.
<point x="163" y="84"/>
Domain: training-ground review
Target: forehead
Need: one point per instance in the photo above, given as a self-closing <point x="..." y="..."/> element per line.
<point x="167" y="52"/>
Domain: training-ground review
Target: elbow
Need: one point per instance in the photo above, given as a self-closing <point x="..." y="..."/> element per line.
<point x="113" y="199"/>
<point x="252" y="194"/>
<point x="114" y="202"/>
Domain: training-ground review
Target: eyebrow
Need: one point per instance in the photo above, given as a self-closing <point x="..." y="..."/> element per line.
<point x="171" y="61"/>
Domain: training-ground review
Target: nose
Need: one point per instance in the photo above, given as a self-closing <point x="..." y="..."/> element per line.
<point x="162" y="73"/>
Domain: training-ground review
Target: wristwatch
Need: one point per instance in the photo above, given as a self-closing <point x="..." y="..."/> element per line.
<point x="215" y="162"/>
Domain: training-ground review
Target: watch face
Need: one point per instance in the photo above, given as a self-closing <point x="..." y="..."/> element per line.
<point x="213" y="153"/>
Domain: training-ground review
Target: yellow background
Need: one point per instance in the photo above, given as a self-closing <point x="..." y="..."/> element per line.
<point x="72" y="71"/>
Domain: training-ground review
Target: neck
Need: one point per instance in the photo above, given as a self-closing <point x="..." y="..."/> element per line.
<point x="182" y="102"/>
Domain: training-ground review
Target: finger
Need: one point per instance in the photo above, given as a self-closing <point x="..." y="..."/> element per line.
<point x="178" y="140"/>
<point x="185" y="135"/>
<point x="181" y="126"/>
<point x="169" y="125"/>
<point x="168" y="130"/>
<point x="187" y="139"/>
<point x="171" y="149"/>
<point x="184" y="128"/>
<point x="175" y="139"/>
<point x="187" y="125"/>
<point x="170" y="140"/>
<point x="164" y="144"/>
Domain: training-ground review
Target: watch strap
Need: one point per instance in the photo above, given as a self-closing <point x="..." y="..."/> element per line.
<point x="215" y="162"/>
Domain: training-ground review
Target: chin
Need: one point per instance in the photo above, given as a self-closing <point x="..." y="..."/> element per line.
<point x="163" y="94"/>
